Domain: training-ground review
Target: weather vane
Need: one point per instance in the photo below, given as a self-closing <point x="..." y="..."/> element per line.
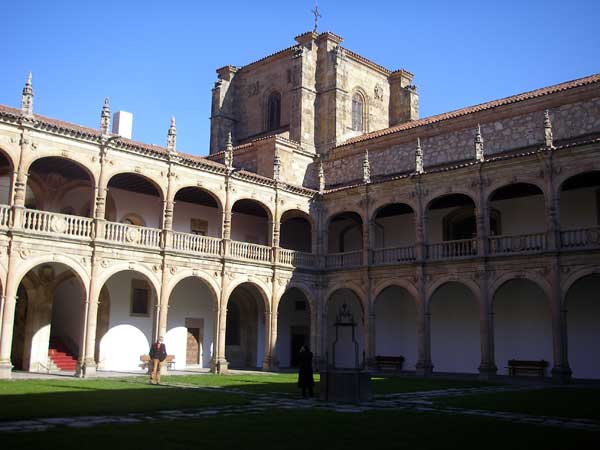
<point x="317" y="15"/>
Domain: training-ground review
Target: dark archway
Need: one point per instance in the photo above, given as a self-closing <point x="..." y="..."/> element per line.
<point x="345" y="232"/>
<point x="296" y="231"/>
<point x="250" y="222"/>
<point x="293" y="326"/>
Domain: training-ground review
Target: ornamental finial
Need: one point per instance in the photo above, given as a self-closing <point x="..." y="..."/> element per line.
<point x="105" y="117"/>
<point x="172" y="136"/>
<point x="228" y="152"/>
<point x="479" y="155"/>
<point x="27" y="97"/>
<point x="366" y="167"/>
<point x="419" y="158"/>
<point x="548" y="139"/>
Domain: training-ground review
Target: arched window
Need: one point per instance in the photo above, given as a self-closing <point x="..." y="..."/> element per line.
<point x="357" y="112"/>
<point x="274" y="111"/>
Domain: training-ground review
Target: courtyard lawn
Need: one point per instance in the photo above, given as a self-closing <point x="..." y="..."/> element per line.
<point x="399" y="384"/>
<point x="286" y="383"/>
<point x="25" y="399"/>
<point x="292" y="429"/>
<point x="573" y="402"/>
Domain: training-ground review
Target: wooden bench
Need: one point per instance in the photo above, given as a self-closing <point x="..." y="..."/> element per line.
<point x="394" y="362"/>
<point x="146" y="363"/>
<point x="516" y="366"/>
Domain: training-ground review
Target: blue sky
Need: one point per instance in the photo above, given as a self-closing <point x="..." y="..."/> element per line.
<point x="157" y="58"/>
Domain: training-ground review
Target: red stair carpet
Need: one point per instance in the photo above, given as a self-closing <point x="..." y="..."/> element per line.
<point x="61" y="356"/>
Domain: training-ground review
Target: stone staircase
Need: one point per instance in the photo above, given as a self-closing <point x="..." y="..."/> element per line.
<point x="60" y="357"/>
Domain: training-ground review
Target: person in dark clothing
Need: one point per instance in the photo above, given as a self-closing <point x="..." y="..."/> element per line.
<point x="158" y="353"/>
<point x="305" y="372"/>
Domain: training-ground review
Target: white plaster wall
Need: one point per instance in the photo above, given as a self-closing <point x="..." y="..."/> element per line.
<point x="39" y="348"/>
<point x="583" y="326"/>
<point x="4" y="189"/>
<point x="191" y="299"/>
<point x="435" y="224"/>
<point x="79" y="199"/>
<point x="67" y="311"/>
<point x="522" y="324"/>
<point x="579" y="208"/>
<point x="246" y="228"/>
<point x="396" y="325"/>
<point x="345" y="353"/>
<point x="288" y="318"/>
<point x="395" y="231"/>
<point x="148" y="207"/>
<point x="184" y="212"/>
<point x="521" y="215"/>
<point x="454" y="330"/>
<point x="124" y="328"/>
<point x="352" y="238"/>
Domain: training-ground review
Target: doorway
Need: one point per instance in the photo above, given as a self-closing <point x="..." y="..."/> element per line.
<point x="300" y="337"/>
<point x="195" y="334"/>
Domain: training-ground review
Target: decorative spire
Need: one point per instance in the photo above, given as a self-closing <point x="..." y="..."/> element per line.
<point x="172" y="136"/>
<point x="277" y="166"/>
<point x="419" y="158"/>
<point x="229" y="152"/>
<point x="27" y="98"/>
<point x="321" y="176"/>
<point x="548" y="139"/>
<point x="366" y="167"/>
<point x="105" y="117"/>
<point x="479" y="156"/>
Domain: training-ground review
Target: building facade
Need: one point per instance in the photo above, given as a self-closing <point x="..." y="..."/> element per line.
<point x="459" y="241"/>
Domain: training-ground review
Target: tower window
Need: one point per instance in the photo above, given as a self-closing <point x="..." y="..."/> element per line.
<point x="357" y="112"/>
<point x="274" y="111"/>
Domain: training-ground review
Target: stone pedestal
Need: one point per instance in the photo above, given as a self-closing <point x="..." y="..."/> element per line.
<point x="339" y="385"/>
<point x="561" y="375"/>
<point x="5" y="370"/>
<point x="220" y="366"/>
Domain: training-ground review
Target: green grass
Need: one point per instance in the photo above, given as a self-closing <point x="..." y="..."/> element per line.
<point x="571" y="402"/>
<point x="391" y="384"/>
<point x="292" y="430"/>
<point x="285" y="383"/>
<point x="26" y="399"/>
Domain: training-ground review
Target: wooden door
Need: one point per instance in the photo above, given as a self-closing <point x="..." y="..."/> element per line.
<point x="192" y="354"/>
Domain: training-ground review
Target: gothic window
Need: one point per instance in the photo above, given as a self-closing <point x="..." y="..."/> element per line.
<point x="357" y="112"/>
<point x="274" y="111"/>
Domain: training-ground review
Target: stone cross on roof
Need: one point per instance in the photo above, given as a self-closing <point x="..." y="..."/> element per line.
<point x="317" y="15"/>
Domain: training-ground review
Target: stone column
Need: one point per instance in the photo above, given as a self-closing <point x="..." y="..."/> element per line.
<point x="268" y="352"/>
<point x="220" y="364"/>
<point x="424" y="366"/>
<point x="8" y="316"/>
<point x="89" y="366"/>
<point x="487" y="367"/>
<point x="561" y="371"/>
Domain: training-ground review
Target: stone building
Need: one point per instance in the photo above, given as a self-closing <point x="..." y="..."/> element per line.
<point x="459" y="241"/>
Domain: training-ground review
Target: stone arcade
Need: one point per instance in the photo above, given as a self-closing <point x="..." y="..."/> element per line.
<point x="460" y="240"/>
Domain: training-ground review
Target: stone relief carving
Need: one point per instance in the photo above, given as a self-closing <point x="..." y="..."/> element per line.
<point x="378" y="92"/>
<point x="253" y="88"/>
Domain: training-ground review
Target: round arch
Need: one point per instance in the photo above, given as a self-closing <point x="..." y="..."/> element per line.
<point x="524" y="182"/>
<point x="200" y="275"/>
<point x="260" y="287"/>
<point x="460" y="194"/>
<point x="36" y="160"/>
<point x="439" y="283"/>
<point x="208" y="192"/>
<point x="574" y="278"/>
<point x="530" y="276"/>
<point x="351" y="286"/>
<point x="160" y="191"/>
<point x="399" y="283"/>
<point x="106" y="274"/>
<point x="80" y="271"/>
<point x="340" y="211"/>
<point x="402" y="208"/>
<point x="310" y="298"/>
<point x="264" y="206"/>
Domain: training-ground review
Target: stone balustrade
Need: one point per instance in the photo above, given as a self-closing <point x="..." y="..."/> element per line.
<point x="252" y="252"/>
<point x="127" y="234"/>
<point x="580" y="238"/>
<point x="59" y="224"/>
<point x="452" y="249"/>
<point x="394" y="255"/>
<point x="343" y="260"/>
<point x="196" y="243"/>
<point x="524" y="243"/>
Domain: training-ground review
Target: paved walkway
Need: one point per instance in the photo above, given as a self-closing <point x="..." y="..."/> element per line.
<point x="259" y="402"/>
